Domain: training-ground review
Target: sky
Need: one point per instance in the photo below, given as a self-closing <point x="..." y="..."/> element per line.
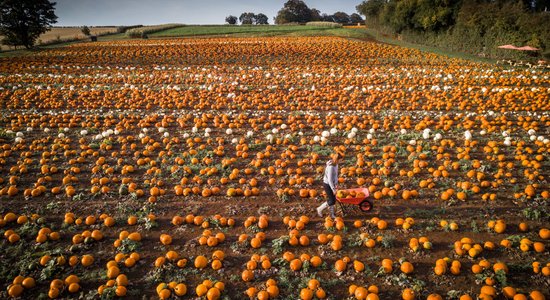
<point x="151" y="12"/>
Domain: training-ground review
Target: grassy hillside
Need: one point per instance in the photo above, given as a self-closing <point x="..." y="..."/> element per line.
<point x="257" y="30"/>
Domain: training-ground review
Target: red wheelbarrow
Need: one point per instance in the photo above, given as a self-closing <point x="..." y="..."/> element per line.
<point x="357" y="196"/>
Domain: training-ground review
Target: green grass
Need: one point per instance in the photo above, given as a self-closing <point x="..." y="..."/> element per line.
<point x="253" y="30"/>
<point x="341" y="32"/>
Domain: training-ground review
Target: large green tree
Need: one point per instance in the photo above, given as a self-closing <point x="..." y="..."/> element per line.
<point x="315" y="14"/>
<point x="371" y="8"/>
<point x="341" y="17"/>
<point x="261" y="19"/>
<point x="247" y="18"/>
<point x="231" y="20"/>
<point x="294" y="11"/>
<point x="23" y="21"/>
<point x="355" y="18"/>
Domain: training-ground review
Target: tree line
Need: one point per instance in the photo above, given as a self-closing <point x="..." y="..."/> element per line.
<point x="474" y="26"/>
<point x="295" y="11"/>
<point x="248" y="18"/>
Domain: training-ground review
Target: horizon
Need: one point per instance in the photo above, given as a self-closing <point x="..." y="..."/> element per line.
<point x="103" y="13"/>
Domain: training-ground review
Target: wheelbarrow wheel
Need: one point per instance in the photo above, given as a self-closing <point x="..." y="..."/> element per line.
<point x="365" y="205"/>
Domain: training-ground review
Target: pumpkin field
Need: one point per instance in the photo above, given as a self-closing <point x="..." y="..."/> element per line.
<point x="190" y="168"/>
